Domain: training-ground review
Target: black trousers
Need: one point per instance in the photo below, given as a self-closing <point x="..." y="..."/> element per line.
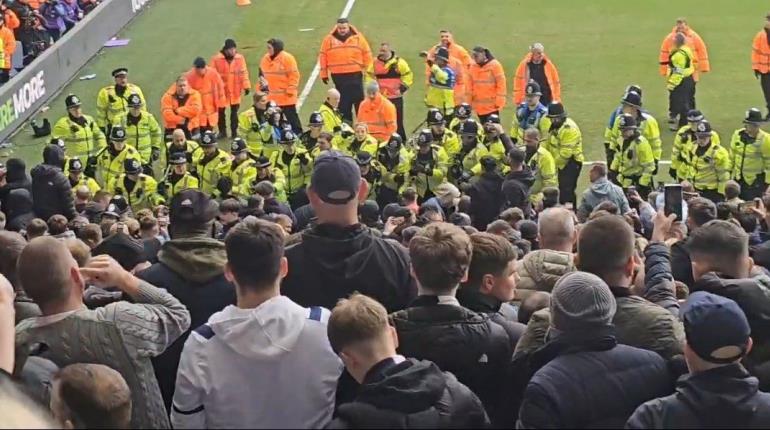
<point x="753" y="191"/>
<point x="680" y="98"/>
<point x="290" y="112"/>
<point x="5" y="75"/>
<point x="298" y="199"/>
<point x="483" y="118"/>
<point x="764" y="80"/>
<point x="568" y="178"/>
<point x="233" y="120"/>
<point x="610" y="155"/>
<point x="351" y="88"/>
<point x="398" y="102"/>
<point x="712" y="195"/>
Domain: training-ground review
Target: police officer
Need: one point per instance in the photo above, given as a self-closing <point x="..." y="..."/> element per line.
<point x="78" y="179"/>
<point x="372" y="174"/>
<point x="110" y="161"/>
<point x="680" y="82"/>
<point x="309" y="138"/>
<point x="427" y="166"/>
<point x="446" y="138"/>
<point x="361" y="140"/>
<point x="709" y="164"/>
<point x="633" y="160"/>
<point x="471" y="152"/>
<point x="646" y="123"/>
<point x="493" y="138"/>
<point x="210" y="163"/>
<point x="462" y="112"/>
<point x="179" y="143"/>
<point x="393" y="164"/>
<point x="610" y="133"/>
<point x="81" y="135"/>
<point x="139" y="190"/>
<point x="530" y="113"/>
<point x="441" y="83"/>
<point x="296" y="164"/>
<point x="178" y="178"/>
<point x="540" y="162"/>
<point x="143" y="131"/>
<point x="266" y="172"/>
<point x="112" y="101"/>
<point x="242" y="169"/>
<point x="750" y="156"/>
<point x="253" y="122"/>
<point x="565" y="143"/>
<point x="684" y="140"/>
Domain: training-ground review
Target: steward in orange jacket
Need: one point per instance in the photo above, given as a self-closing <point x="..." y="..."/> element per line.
<point x="345" y="56"/>
<point x="459" y="61"/>
<point x="180" y="108"/>
<point x="9" y="44"/>
<point x="693" y="40"/>
<point x="538" y="67"/>
<point x="232" y="68"/>
<point x="207" y="82"/>
<point x="378" y="113"/>
<point x="486" y="84"/>
<point x="760" y="60"/>
<point x="279" y="69"/>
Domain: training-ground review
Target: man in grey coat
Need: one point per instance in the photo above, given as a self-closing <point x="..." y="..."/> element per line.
<point x="121" y="335"/>
<point x="601" y="190"/>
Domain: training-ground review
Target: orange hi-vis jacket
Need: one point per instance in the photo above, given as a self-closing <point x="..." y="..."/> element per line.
<point x="11" y="19"/>
<point x="212" y="92"/>
<point x="234" y="74"/>
<point x="521" y="79"/>
<point x="187" y="110"/>
<point x="486" y="85"/>
<point x="460" y="62"/>
<point x="379" y="115"/>
<point x="349" y="56"/>
<point x="9" y="45"/>
<point x="694" y="41"/>
<point x="282" y="77"/>
<point x="760" y="54"/>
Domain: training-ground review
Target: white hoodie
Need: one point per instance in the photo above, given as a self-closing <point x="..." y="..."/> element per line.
<point x="268" y="367"/>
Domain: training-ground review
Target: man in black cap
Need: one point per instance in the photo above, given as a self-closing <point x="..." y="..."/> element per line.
<point x="441" y="83"/>
<point x="749" y="154"/>
<point x="191" y="267"/>
<point x="718" y="392"/>
<point x="462" y="112"/>
<point x="51" y="190"/>
<point x="204" y="79"/>
<point x="280" y="75"/>
<point x="338" y="255"/>
<point x="234" y="72"/>
<point x="142" y="131"/>
<point x="309" y="138"/>
<point x="112" y="100"/>
<point x="369" y="172"/>
<point x="81" y="135"/>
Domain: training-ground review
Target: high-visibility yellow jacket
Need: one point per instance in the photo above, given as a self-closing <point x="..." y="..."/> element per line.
<point x="80" y="141"/>
<point x="648" y="127"/>
<point x="350" y="146"/>
<point x="750" y="157"/>
<point x="392" y="75"/>
<point x="472" y="158"/>
<point x="680" y="150"/>
<point x="191" y="150"/>
<point x="144" y="195"/>
<point x="143" y="133"/>
<point x="565" y="143"/>
<point x="275" y="177"/>
<point x="210" y="168"/>
<point x="3" y="60"/>
<point x="437" y="163"/>
<point x="296" y="170"/>
<point x="86" y="181"/>
<point x="449" y="141"/>
<point x="543" y="167"/>
<point x="525" y="118"/>
<point x="495" y="149"/>
<point x="710" y="168"/>
<point x="440" y="93"/>
<point x="110" y="105"/>
<point x="634" y="162"/>
<point x="681" y="64"/>
<point x="242" y="175"/>
<point x="183" y="183"/>
<point x="110" y="166"/>
<point x="260" y="137"/>
<point x="695" y="42"/>
<point x="394" y="171"/>
<point x="332" y="118"/>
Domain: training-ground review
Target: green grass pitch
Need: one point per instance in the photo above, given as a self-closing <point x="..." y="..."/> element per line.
<point x="599" y="46"/>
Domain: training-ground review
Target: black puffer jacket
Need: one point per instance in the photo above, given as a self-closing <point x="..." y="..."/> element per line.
<point x="486" y="199"/>
<point x="725" y="397"/>
<point x="591" y="382"/>
<point x="51" y="190"/>
<point x="458" y="340"/>
<point x="15" y="178"/>
<point x="516" y="188"/>
<point x="411" y="394"/>
<point x="332" y="262"/>
<point x="500" y="313"/>
<point x="19" y="211"/>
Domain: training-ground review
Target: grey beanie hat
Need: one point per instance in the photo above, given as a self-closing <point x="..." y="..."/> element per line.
<point x="581" y="300"/>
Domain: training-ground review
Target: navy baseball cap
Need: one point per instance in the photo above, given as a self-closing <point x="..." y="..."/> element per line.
<point x="336" y="178"/>
<point x="716" y="327"/>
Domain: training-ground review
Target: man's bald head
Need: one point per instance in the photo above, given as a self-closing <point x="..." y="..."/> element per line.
<point x="333" y="97"/>
<point x="47" y="271"/>
<point x="556" y="229"/>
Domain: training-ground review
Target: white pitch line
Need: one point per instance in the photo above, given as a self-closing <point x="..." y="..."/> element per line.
<point x="317" y="69"/>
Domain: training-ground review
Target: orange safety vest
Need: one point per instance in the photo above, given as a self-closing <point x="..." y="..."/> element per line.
<point x="521" y="79"/>
<point x="760" y="54"/>
<point x="187" y="109"/>
<point x="460" y="63"/>
<point x="487" y="87"/>
<point x="234" y="74"/>
<point x="389" y="78"/>
<point x="212" y="93"/>
<point x="9" y="46"/>
<point x="282" y="78"/>
<point x="11" y="19"/>
<point x="694" y="41"/>
<point x="351" y="56"/>
<point x="379" y="115"/>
